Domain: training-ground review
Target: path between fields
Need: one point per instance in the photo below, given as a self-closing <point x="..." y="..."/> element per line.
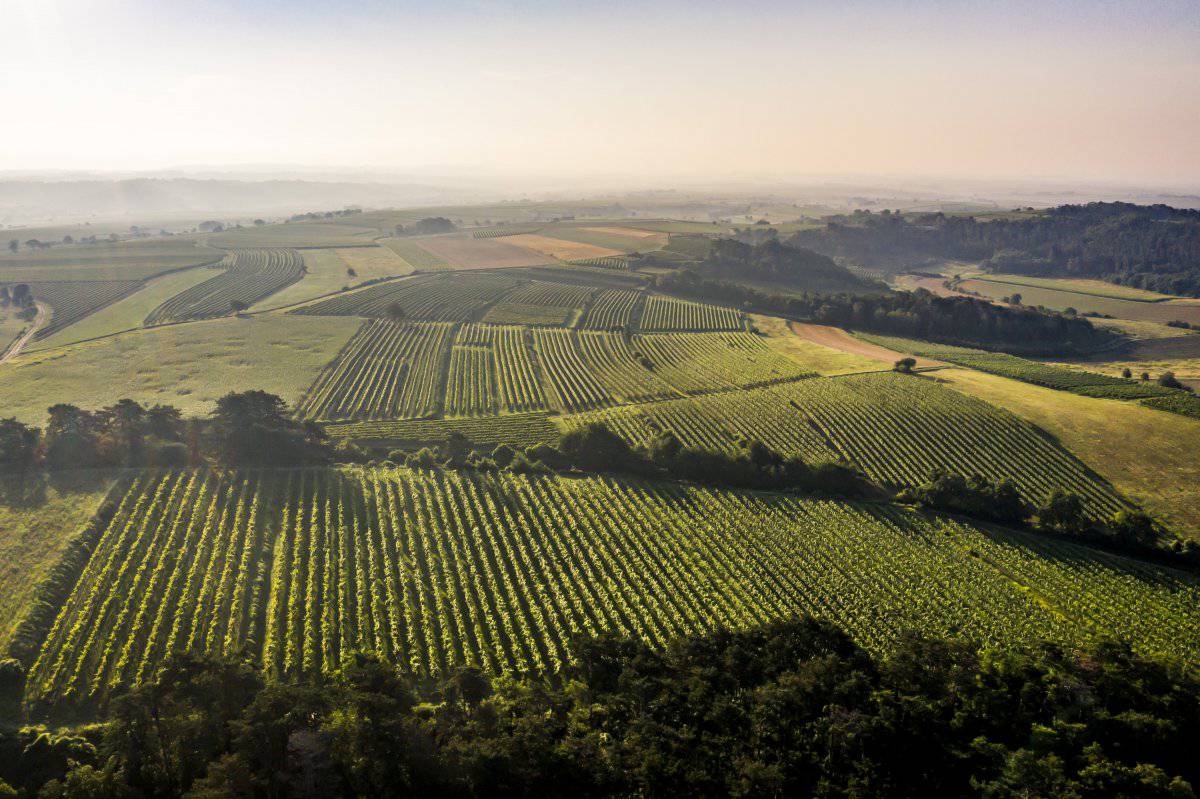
<point x="39" y="322"/>
<point x="838" y="339"/>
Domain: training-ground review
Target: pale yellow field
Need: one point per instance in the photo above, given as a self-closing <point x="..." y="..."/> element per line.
<point x="1149" y="455"/>
<point x="558" y="248"/>
<point x="626" y="231"/>
<point x="373" y="262"/>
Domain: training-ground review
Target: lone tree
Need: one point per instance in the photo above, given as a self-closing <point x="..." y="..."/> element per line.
<point x="237" y="306"/>
<point x="394" y="312"/>
<point x="350" y="272"/>
<point x="905" y="365"/>
<point x="1168" y="380"/>
<point x="1127" y="373"/>
<point x="14" y="245"/>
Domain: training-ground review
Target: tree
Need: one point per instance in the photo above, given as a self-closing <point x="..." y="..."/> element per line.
<point x="259" y="222"/>
<point x="1015" y="299"/>
<point x="1127" y="373"/>
<point x="1135" y="527"/>
<point x="18" y="445"/>
<point x="13" y="245"/>
<point x="1168" y="380"/>
<point x="1145" y="375"/>
<point x="1063" y="512"/>
<point x="350" y="272"/>
<point x="905" y="365"/>
<point x="237" y="306"/>
<point x="394" y="312"/>
<point x="254" y="427"/>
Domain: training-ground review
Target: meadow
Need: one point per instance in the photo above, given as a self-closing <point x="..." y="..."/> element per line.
<point x="126" y="260"/>
<point x="1168" y="311"/>
<point x="434" y="570"/>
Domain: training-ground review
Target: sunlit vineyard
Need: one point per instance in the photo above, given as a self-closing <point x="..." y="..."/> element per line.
<point x="438" y="569"/>
<point x="604" y="262"/>
<point x="247" y="276"/>
<point x="669" y="313"/>
<point x="387" y="370"/>
<point x="896" y="429"/>
<point x="72" y="300"/>
<point x="612" y="310"/>
<point x="518" y="429"/>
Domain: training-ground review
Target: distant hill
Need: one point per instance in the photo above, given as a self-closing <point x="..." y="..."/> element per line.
<point x="1154" y="247"/>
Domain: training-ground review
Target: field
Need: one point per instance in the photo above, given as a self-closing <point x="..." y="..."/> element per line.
<point x="540" y="303"/>
<point x="127" y="313"/>
<point x="462" y="251"/>
<point x="778" y="334"/>
<point x="456" y="297"/>
<point x="669" y="313"/>
<point x="614" y="309"/>
<point x="11" y="326"/>
<point x="1077" y="381"/>
<point x="71" y="301"/>
<point x="248" y="276"/>
<point x="131" y="260"/>
<point x="1148" y="455"/>
<point x="518" y="429"/>
<point x="412" y="253"/>
<point x="386" y="371"/>
<point x="561" y="249"/>
<point x="1185" y="404"/>
<point x="1095" y="288"/>
<point x="609" y="237"/>
<point x="295" y="234"/>
<point x="188" y="366"/>
<point x="435" y="570"/>
<point x="37" y="521"/>
<point x="1183" y="311"/>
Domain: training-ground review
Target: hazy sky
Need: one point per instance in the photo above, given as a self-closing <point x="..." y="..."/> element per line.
<point x="1099" y="90"/>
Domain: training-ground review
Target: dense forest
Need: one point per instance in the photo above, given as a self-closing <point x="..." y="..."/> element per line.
<point x="962" y="321"/>
<point x="1153" y="247"/>
<point x="792" y="709"/>
<point x="769" y="261"/>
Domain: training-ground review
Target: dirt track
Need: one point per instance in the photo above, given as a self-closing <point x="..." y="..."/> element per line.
<point x="838" y="339"/>
<point x="39" y="322"/>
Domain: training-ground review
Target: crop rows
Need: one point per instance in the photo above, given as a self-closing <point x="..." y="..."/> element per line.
<point x="895" y="429"/>
<point x="386" y="371"/>
<point x="611" y="310"/>
<point x="498" y="233"/>
<point x="573" y="384"/>
<point x="247" y="277"/>
<point x="604" y="262"/>
<point x="668" y="313"/>
<point x="518" y="429"/>
<point x="701" y="362"/>
<point x="72" y="300"/>
<point x="471" y="384"/>
<point x="455" y="296"/>
<point x="1179" y="402"/>
<point x="435" y="570"/>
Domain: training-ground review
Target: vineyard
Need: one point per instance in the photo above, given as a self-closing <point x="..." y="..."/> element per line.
<point x="669" y="313"/>
<point x="247" y="277"/>
<point x="605" y="262"/>
<point x="437" y="297"/>
<point x="499" y="233"/>
<point x="1076" y="381"/>
<point x="385" y="371"/>
<point x="539" y="303"/>
<point x="893" y="428"/>
<point x="518" y="429"/>
<point x="1179" y="402"/>
<point x="71" y="301"/>
<point x="438" y="569"/>
<point x="614" y="309"/>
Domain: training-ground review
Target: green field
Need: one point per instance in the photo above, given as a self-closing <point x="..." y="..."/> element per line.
<point x="1180" y="310"/>
<point x="127" y="313"/>
<point x="244" y="277"/>
<point x="1096" y="288"/>
<point x="188" y="365"/>
<point x="38" y="518"/>
<point x="411" y="252"/>
<point x="295" y="234"/>
<point x="435" y="570"/>
<point x="132" y="260"/>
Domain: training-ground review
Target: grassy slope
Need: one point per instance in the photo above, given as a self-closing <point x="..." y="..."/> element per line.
<point x="10" y="327"/>
<point x="295" y="234"/>
<point x="1149" y="455"/>
<point x="129" y="312"/>
<point x="1058" y="300"/>
<point x="822" y="360"/>
<point x="1098" y="288"/>
<point x="33" y="536"/>
<point x="186" y="365"/>
<point x="415" y="255"/>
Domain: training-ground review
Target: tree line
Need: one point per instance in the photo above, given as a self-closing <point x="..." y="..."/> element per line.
<point x="793" y="708"/>
<point x="1153" y="247"/>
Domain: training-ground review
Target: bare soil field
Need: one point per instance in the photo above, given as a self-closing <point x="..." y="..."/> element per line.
<point x="838" y="339"/>
<point x="560" y="248"/>
<point x="470" y="253"/>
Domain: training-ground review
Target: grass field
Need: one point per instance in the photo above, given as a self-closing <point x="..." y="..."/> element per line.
<point x="127" y="313"/>
<point x="37" y="520"/>
<point x="437" y="570"/>
<point x="1096" y="288"/>
<point x="1148" y="455"/>
<point x="778" y="335"/>
<point x="245" y="277"/>
<point x="462" y="251"/>
<point x="133" y="260"/>
<point x="71" y="301"/>
<point x="187" y="365"/>
<point x="1059" y="300"/>
<point x="11" y="326"/>
<point x="326" y="273"/>
<point x="295" y="234"/>
<point x="412" y="253"/>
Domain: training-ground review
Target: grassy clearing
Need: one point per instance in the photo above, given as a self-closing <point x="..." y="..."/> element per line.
<point x="371" y="263"/>
<point x="326" y="273"/>
<point x="37" y="520"/>
<point x="1148" y="455"/>
<point x="128" y="313"/>
<point x="416" y="256"/>
<point x="186" y="365"/>
<point x="134" y="260"/>
<point x="1097" y="288"/>
<point x="11" y="326"/>
<point x="812" y="356"/>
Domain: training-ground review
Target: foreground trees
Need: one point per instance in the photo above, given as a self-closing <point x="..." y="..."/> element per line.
<point x="793" y="709"/>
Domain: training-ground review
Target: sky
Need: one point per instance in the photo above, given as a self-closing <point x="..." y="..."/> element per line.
<point x="1052" y="89"/>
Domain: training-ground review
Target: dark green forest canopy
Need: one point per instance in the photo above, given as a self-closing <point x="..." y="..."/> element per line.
<point x="1154" y="247"/>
